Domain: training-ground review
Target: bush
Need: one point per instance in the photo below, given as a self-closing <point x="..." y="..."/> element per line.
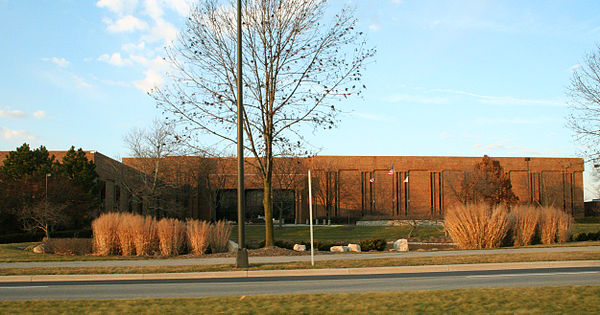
<point x="555" y="225"/>
<point x="198" y="234"/>
<point x="68" y="246"/>
<point x="372" y="244"/>
<point x="104" y="233"/>
<point x="219" y="236"/>
<point x="524" y="222"/>
<point x="171" y="236"/>
<point x="477" y="225"/>
<point x="582" y="237"/>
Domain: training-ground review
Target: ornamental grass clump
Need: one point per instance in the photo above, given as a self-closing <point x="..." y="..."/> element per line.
<point x="198" y="233"/>
<point x="145" y="236"/>
<point x="171" y="236"/>
<point x="524" y="221"/>
<point x="555" y="225"/>
<point x="126" y="233"/>
<point x="477" y="225"/>
<point x="104" y="234"/>
<point x="219" y="236"/>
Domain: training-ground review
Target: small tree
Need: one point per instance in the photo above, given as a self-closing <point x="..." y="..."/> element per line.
<point x="487" y="182"/>
<point x="43" y="215"/>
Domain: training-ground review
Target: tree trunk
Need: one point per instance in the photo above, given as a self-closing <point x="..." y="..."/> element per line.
<point x="268" y="205"/>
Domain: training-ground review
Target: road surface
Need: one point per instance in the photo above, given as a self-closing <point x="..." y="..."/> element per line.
<point x="308" y="284"/>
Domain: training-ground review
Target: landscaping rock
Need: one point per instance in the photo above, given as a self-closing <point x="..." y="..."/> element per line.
<point x="401" y="245"/>
<point x="299" y="248"/>
<point x="354" y="248"/>
<point x="339" y="249"/>
<point x="40" y="249"/>
<point x="232" y="246"/>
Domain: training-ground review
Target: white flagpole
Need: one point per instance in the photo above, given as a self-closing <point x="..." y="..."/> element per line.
<point x="312" y="245"/>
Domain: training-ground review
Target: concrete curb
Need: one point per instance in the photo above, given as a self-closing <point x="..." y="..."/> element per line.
<point x="303" y="272"/>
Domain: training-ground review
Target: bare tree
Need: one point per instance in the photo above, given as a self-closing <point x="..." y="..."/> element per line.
<point x="584" y="92"/>
<point x="150" y="149"/>
<point x="295" y="66"/>
<point x="43" y="215"/>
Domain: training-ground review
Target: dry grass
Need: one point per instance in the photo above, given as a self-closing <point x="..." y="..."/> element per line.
<point x="555" y="225"/>
<point x="171" y="236"/>
<point x="145" y="238"/>
<point x="524" y="221"/>
<point x="474" y="226"/>
<point x="219" y="236"/>
<point x="198" y="234"/>
<point x="126" y="232"/>
<point x="104" y="233"/>
<point x="68" y="246"/>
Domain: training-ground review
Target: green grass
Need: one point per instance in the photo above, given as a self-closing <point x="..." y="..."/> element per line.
<point x="357" y="263"/>
<point x="585" y="228"/>
<point x="539" y="300"/>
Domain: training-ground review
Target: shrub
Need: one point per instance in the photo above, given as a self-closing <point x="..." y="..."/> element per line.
<point x="68" y="246"/>
<point x="145" y="235"/>
<point x="126" y="232"/>
<point x="524" y="222"/>
<point x="555" y="225"/>
<point x="219" y="236"/>
<point x="372" y="244"/>
<point x="477" y="225"/>
<point x="171" y="236"/>
<point x="198" y="234"/>
<point x="104" y="233"/>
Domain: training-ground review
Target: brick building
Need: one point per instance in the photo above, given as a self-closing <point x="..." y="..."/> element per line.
<point x="345" y="188"/>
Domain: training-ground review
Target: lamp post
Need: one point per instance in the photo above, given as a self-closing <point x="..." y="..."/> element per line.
<point x="242" y="253"/>
<point x="47" y="175"/>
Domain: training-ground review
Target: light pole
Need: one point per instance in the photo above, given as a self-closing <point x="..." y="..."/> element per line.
<point x="529" y="188"/>
<point x="47" y="175"/>
<point x="242" y="253"/>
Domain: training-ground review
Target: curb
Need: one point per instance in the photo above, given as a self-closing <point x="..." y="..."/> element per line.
<point x="303" y="272"/>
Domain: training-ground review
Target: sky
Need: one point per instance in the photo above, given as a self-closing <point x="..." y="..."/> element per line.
<point x="451" y="78"/>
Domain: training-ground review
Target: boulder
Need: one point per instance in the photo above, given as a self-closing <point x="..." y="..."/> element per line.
<point x="354" y="248"/>
<point x="40" y="249"/>
<point x="339" y="249"/>
<point x="299" y="248"/>
<point x="232" y="246"/>
<point x="401" y="245"/>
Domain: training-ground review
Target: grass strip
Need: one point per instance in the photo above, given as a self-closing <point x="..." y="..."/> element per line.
<point x="358" y="263"/>
<point x="539" y="300"/>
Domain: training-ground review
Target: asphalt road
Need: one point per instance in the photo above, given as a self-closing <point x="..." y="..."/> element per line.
<point x="308" y="284"/>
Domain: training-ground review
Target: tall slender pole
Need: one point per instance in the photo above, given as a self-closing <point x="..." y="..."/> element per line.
<point x="310" y="216"/>
<point x="242" y="253"/>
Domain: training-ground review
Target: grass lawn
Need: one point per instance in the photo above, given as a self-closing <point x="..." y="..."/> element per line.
<point x="356" y="263"/>
<point x="541" y="300"/>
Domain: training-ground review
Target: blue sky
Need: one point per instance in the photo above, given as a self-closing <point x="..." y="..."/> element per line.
<point x="462" y="78"/>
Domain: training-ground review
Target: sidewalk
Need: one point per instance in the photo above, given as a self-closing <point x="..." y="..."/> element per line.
<point x="305" y="272"/>
<point x="285" y="259"/>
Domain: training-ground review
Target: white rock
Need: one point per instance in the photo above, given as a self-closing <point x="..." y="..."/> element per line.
<point x="299" y="248"/>
<point x="339" y="249"/>
<point x="354" y="248"/>
<point x="232" y="246"/>
<point x="401" y="245"/>
<point x="40" y="249"/>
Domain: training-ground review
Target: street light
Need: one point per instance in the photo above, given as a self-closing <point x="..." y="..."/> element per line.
<point x="47" y="175"/>
<point x="242" y="253"/>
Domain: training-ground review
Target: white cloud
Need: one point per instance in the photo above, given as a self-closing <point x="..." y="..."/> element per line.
<point x="39" y="114"/>
<point x="503" y="100"/>
<point x="61" y="62"/>
<point x="115" y="59"/>
<point x="445" y="135"/>
<point x="407" y="98"/>
<point x="14" y="114"/>
<point x="512" y="121"/>
<point x="373" y="117"/>
<point x="152" y="80"/>
<point x="10" y="134"/>
<point x="118" y="6"/>
<point x="128" y="23"/>
<point x="374" y="27"/>
<point x="574" y="67"/>
<point x="162" y="31"/>
<point x="133" y="47"/>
